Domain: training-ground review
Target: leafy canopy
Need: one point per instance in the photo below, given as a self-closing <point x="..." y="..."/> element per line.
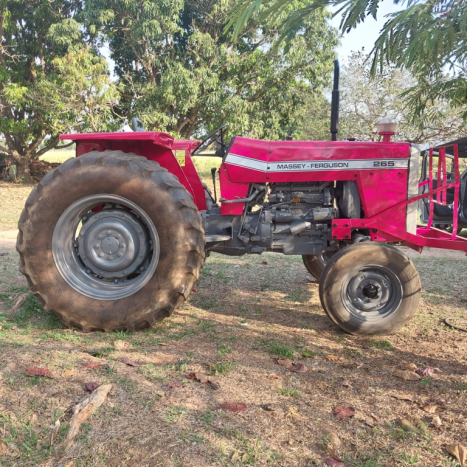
<point x="424" y="37"/>
<point x="182" y="72"/>
<point x="50" y="81"/>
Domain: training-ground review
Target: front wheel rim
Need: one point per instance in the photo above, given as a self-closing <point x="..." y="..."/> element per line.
<point x="372" y="293"/>
<point x="105" y="247"/>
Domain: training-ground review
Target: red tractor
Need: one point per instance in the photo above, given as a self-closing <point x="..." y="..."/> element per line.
<point x="116" y="237"/>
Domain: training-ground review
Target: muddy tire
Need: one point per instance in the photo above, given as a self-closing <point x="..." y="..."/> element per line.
<point x="370" y="289"/>
<point x="315" y="264"/>
<point x="110" y="241"/>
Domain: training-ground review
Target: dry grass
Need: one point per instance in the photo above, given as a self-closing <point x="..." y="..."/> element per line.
<point x="244" y="315"/>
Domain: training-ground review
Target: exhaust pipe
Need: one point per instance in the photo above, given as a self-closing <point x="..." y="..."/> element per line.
<point x="335" y="103"/>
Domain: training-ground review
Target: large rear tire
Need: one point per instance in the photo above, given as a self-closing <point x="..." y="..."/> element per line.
<point x="110" y="241"/>
<point x="370" y="289"/>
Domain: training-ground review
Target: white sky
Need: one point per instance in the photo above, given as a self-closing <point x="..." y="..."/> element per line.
<point x="366" y="33"/>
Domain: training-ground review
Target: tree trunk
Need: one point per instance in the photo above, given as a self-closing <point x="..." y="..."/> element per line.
<point x="23" y="169"/>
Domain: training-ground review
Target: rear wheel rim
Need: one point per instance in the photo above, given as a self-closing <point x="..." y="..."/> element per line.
<point x="108" y="254"/>
<point x="372" y="293"/>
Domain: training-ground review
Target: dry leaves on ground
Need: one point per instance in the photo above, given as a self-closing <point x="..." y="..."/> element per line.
<point x="343" y="412"/>
<point x="459" y="452"/>
<point x="427" y="371"/>
<point x="231" y="407"/>
<point x="127" y="361"/>
<point x="90" y="387"/>
<point x="175" y="384"/>
<point x="436" y="422"/>
<point x="296" y="367"/>
<point x="332" y="462"/>
<point x="34" y="371"/>
<point x="92" y="364"/>
<point x="412" y="424"/>
<point x="410" y="367"/>
<point x="406" y="375"/>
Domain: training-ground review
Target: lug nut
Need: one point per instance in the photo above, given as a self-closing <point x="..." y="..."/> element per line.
<point x="96" y="246"/>
<point x="109" y="232"/>
<point x="88" y="271"/>
<point x="101" y="255"/>
<point x="85" y="218"/>
<point x="122" y="245"/>
<point x="119" y="255"/>
<point x="99" y="237"/>
<point x="111" y="258"/>
<point x="143" y="268"/>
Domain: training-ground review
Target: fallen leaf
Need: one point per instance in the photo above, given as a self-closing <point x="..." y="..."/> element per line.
<point x="334" y="439"/>
<point x="127" y="361"/>
<point x="163" y="344"/>
<point x="68" y="373"/>
<point x="264" y="262"/>
<point x="70" y="464"/>
<point x="436" y="422"/>
<point x="410" y="367"/>
<point x="440" y="402"/>
<point x="343" y="412"/>
<point x="332" y="358"/>
<point x="404" y="397"/>
<point x="267" y="407"/>
<point x="331" y="450"/>
<point x="412" y="424"/>
<point x="19" y="301"/>
<point x="407" y="375"/>
<point x="427" y="371"/>
<point x="430" y="408"/>
<point x="308" y="353"/>
<point x="274" y="376"/>
<point x="195" y="290"/>
<point x="459" y="452"/>
<point x="231" y="407"/>
<point x="191" y="376"/>
<point x="346" y="384"/>
<point x="84" y="409"/>
<point x="298" y="368"/>
<point x="92" y="364"/>
<point x="332" y="462"/>
<point x="175" y="384"/>
<point x="235" y="455"/>
<point x="90" y="387"/>
<point x="285" y="362"/>
<point x="34" y="371"/>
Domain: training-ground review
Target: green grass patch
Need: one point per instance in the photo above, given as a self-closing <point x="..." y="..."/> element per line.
<point x="281" y="350"/>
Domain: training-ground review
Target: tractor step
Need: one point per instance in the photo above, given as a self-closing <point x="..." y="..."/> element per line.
<point x="217" y="238"/>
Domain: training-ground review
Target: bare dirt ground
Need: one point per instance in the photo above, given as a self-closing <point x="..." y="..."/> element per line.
<point x="245" y="314"/>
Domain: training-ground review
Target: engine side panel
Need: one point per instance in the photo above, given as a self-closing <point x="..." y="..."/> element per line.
<point x="380" y="169"/>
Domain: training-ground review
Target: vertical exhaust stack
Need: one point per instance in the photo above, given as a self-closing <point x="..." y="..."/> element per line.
<point x="335" y="103"/>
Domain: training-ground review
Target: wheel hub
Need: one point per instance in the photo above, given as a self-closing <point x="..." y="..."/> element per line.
<point x="113" y="243"/>
<point x="369" y="290"/>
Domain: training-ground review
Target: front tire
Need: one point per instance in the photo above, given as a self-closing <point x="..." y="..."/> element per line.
<point x="110" y="241"/>
<point x="370" y="289"/>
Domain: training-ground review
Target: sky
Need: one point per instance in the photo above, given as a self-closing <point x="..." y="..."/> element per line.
<point x="366" y="33"/>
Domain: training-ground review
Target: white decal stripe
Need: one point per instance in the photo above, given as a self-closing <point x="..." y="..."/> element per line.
<point x="246" y="162"/>
<point x="316" y="165"/>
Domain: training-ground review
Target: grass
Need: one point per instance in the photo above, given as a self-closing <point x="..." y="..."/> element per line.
<point x="281" y="350"/>
<point x="145" y="418"/>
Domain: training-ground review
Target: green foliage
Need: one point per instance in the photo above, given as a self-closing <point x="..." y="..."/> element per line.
<point x="365" y="99"/>
<point x="181" y="72"/>
<point x="424" y="37"/>
<point x="50" y="81"/>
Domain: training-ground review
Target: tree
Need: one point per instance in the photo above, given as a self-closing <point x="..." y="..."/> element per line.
<point x="366" y="99"/>
<point x="181" y="73"/>
<point x="424" y="37"/>
<point x="50" y="82"/>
